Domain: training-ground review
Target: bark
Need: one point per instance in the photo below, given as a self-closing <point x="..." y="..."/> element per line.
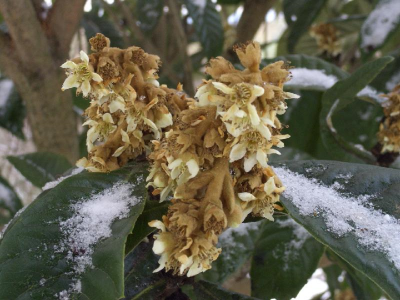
<point x="31" y="55"/>
<point x="254" y="12"/>
<point x="181" y="39"/>
<point x="253" y="15"/>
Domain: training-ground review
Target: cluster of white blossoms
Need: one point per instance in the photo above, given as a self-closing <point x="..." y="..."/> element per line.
<point x="209" y="154"/>
<point x="127" y="104"/>
<point x="214" y="160"/>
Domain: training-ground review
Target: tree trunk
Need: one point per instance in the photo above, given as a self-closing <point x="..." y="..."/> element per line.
<point x="253" y="15"/>
<point x="31" y="55"/>
<point x="51" y="116"/>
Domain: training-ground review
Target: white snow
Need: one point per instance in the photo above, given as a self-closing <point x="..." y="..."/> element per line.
<point x="54" y="183"/>
<point x="304" y="78"/>
<point x="3" y="230"/>
<point x="393" y="81"/>
<point x="6" y="196"/>
<point x="201" y="4"/>
<point x="380" y="22"/>
<point x="370" y="92"/>
<point x="311" y="78"/>
<point x="292" y="248"/>
<point x="5" y="90"/>
<point x="90" y="223"/>
<point x="344" y="214"/>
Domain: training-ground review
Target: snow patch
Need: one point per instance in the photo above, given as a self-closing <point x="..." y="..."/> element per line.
<point x="317" y="79"/>
<point x="6" y="86"/>
<point x="90" y="223"/>
<point x="201" y="4"/>
<point x="6" y="196"/>
<point x="380" y="22"/>
<point x="54" y="183"/>
<point x="370" y="92"/>
<point x="344" y="214"/>
<point x="311" y="78"/>
<point x="393" y="81"/>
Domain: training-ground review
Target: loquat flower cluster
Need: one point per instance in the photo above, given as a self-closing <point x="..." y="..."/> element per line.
<point x="208" y="156"/>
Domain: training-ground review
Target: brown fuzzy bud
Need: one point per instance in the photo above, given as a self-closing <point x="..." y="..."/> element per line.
<point x="99" y="42"/>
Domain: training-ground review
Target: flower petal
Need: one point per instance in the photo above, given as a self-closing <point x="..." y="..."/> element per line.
<point x="264" y="130"/>
<point x="174" y="164"/>
<point x="287" y="95"/>
<point x="193" y="168"/>
<point x="85" y="88"/>
<point x="237" y="152"/>
<point x="69" y="65"/>
<point x="258" y="91"/>
<point x="157" y="224"/>
<point x="119" y="151"/>
<point x="255" y="119"/>
<point x="262" y="158"/>
<point x="108" y="118"/>
<point x="246" y="197"/>
<point x="84" y="57"/>
<point x="223" y="88"/>
<point x="249" y="162"/>
<point x="269" y="186"/>
<point x="164" y="121"/>
<point x="116" y="105"/>
<point x="70" y="82"/>
<point x="96" y="77"/>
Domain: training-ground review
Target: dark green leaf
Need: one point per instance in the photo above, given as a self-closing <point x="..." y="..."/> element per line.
<point x="361" y="285"/>
<point x="284" y="258"/>
<point x="332" y="274"/>
<point x="208" y="26"/>
<point x="337" y="98"/>
<point x="152" y="211"/>
<point x="302" y="117"/>
<point x="148" y="13"/>
<point x="82" y="144"/>
<point x="9" y="199"/>
<point x="140" y="281"/>
<point x="80" y="103"/>
<point x="390" y="76"/>
<point x="299" y="16"/>
<point x="12" y="109"/>
<point x="207" y="290"/>
<point x="382" y="185"/>
<point x="237" y="247"/>
<point x="41" y="257"/>
<point x="40" y="167"/>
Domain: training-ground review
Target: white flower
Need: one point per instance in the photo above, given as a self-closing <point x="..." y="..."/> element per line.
<point x="207" y="95"/>
<point x="182" y="171"/>
<point x="80" y="75"/>
<point x="127" y="142"/>
<point x="115" y="102"/>
<point x="99" y="130"/>
<point x="242" y="94"/>
<point x="163" y="244"/>
<point x="163" y="120"/>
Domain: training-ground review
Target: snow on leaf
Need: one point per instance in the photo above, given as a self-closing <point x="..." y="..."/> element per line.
<point x="344" y="214"/>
